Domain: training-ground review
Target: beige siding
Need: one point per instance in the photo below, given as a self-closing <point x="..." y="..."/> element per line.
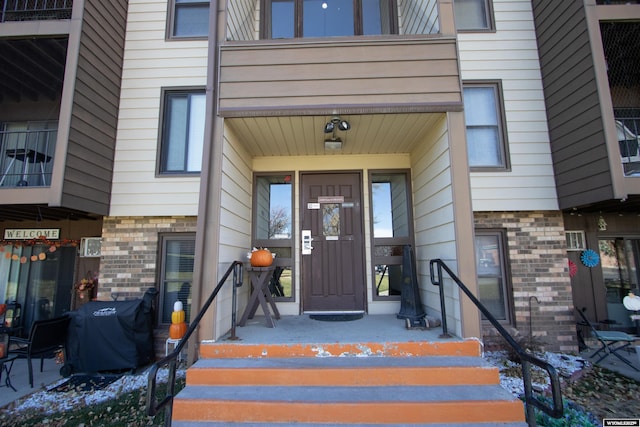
<point x="434" y="218"/>
<point x="235" y="224"/>
<point x="510" y="55"/>
<point x="420" y="74"/>
<point x="150" y="64"/>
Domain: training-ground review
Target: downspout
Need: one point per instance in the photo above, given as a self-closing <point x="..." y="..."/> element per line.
<point x="207" y="245"/>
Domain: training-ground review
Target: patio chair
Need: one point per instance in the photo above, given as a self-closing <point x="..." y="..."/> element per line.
<point x="628" y="141"/>
<point x="611" y="342"/>
<point x="46" y="336"/>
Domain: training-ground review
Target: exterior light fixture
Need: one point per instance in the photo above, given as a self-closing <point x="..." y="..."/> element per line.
<point x="336" y="123"/>
<point x="333" y="144"/>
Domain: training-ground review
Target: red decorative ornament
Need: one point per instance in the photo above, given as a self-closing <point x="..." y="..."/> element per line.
<point x="573" y="268"/>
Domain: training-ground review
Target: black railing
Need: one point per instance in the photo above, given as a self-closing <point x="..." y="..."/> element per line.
<point x="26" y="157"/>
<point x="153" y="406"/>
<point x="35" y="10"/>
<point x="526" y="358"/>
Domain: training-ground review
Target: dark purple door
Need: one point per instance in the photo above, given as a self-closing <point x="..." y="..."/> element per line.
<point x="333" y="270"/>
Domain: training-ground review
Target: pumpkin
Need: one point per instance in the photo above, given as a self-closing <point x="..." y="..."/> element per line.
<point x="177" y="330"/>
<point x="261" y="258"/>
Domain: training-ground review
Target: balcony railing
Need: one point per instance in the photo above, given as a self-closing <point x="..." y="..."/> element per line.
<point x="628" y="130"/>
<point x="618" y="2"/>
<point x="415" y="17"/>
<point x="35" y="10"/>
<point x="26" y="158"/>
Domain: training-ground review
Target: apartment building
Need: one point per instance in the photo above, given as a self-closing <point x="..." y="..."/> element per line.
<point x="366" y="126"/>
<point x="591" y="71"/>
<point x="60" y="73"/>
<point x="347" y="123"/>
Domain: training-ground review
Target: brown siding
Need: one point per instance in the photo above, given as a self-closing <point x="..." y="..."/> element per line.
<point x="420" y="74"/>
<point x="575" y="121"/>
<point x="92" y="136"/>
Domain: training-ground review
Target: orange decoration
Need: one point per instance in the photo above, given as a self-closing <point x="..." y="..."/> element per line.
<point x="177" y="330"/>
<point x="23" y="260"/>
<point x="34" y="257"/>
<point x="261" y="258"/>
<point x="42" y="256"/>
<point x="15" y="257"/>
<point x="7" y="255"/>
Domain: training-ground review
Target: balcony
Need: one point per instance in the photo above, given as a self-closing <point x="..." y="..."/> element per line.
<point x="392" y="56"/>
<point x="35" y="10"/>
<point x="326" y="18"/>
<point x="26" y="158"/>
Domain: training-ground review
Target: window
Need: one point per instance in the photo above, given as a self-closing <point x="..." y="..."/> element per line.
<point x="182" y="132"/>
<point x="273" y="228"/>
<point x="391" y="221"/>
<point x="493" y="285"/>
<point x="176" y="273"/>
<point x="575" y="240"/>
<point x="619" y="262"/>
<point x="326" y="18"/>
<point x="188" y="19"/>
<point x="486" y="139"/>
<point x="473" y="15"/>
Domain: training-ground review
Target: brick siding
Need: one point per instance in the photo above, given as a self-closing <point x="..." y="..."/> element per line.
<point x="537" y="261"/>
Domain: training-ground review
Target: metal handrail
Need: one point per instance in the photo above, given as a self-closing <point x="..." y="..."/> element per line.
<point x="526" y="359"/>
<point x="25" y="10"/>
<point x="153" y="407"/>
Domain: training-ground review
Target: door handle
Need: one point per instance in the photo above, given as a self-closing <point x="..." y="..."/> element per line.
<point x="306" y="242"/>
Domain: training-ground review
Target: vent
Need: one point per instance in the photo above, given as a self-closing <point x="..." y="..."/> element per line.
<point x="90" y="247"/>
<point x="575" y="240"/>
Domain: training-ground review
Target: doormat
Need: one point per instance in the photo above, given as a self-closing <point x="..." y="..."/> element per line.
<point x="85" y="383"/>
<point x="336" y="317"/>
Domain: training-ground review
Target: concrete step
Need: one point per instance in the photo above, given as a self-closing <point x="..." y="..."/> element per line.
<point x="345" y="371"/>
<point x="286" y="424"/>
<point x="238" y="349"/>
<point x="348" y="404"/>
<point x="356" y="384"/>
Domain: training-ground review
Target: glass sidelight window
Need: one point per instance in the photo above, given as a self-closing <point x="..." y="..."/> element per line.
<point x="392" y="229"/>
<point x="273" y="227"/>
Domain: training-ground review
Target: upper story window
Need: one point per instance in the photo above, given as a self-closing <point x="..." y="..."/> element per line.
<point x="188" y="19"/>
<point x="473" y="15"/>
<point x="181" y="142"/>
<point x="484" y="117"/>
<point x="326" y="18"/>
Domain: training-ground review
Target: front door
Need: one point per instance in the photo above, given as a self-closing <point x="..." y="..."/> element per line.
<point x="333" y="260"/>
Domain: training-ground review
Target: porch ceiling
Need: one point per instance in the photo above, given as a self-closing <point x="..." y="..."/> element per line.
<point x="304" y="135"/>
<point x="32" y="69"/>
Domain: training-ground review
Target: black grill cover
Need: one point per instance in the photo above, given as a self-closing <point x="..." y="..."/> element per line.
<point x="111" y="336"/>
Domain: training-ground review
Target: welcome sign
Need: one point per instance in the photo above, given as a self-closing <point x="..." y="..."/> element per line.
<point x="31" y="233"/>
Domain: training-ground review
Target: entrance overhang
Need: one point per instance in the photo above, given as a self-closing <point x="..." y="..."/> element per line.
<point x="370" y="134"/>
